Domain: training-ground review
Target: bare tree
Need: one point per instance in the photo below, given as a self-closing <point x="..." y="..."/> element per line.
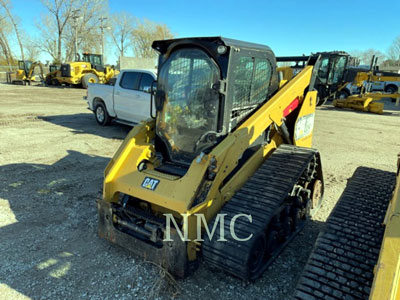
<point x="393" y="52"/>
<point x="4" y="46"/>
<point x="59" y="13"/>
<point x="366" y="55"/>
<point x="47" y="41"/>
<point x="7" y="7"/>
<point x="32" y="51"/>
<point x="143" y="35"/>
<point x="121" y="31"/>
<point x="57" y="27"/>
<point x="88" y="26"/>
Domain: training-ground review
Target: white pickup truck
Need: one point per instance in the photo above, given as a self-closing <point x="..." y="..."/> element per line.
<point x="126" y="101"/>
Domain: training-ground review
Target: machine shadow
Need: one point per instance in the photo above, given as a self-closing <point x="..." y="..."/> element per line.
<point x="84" y="123"/>
<point x="53" y="236"/>
<point x="48" y="216"/>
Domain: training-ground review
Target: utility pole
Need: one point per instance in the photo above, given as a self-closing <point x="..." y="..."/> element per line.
<point x="75" y="16"/>
<point x="102" y="27"/>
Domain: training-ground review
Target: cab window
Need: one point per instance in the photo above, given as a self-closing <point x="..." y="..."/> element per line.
<point x="252" y="79"/>
<point x="145" y="82"/>
<point x="130" y="80"/>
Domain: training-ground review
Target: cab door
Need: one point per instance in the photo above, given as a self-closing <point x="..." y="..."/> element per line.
<point x="143" y="102"/>
<point x="126" y="96"/>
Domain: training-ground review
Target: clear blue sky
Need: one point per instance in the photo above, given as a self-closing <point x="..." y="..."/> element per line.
<point x="289" y="27"/>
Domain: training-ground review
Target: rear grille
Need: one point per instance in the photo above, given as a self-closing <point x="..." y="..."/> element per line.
<point x="65" y="70"/>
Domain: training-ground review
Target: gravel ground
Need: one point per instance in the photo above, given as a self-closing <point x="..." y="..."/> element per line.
<point x="52" y="157"/>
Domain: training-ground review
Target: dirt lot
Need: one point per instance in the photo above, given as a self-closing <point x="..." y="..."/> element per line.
<point x="52" y="157"/>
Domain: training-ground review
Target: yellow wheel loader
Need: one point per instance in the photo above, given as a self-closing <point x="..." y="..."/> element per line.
<point x="224" y="171"/>
<point x="357" y="255"/>
<point x="88" y="69"/>
<point x="26" y="73"/>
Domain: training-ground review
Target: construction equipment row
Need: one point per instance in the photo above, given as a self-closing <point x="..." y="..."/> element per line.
<point x="89" y="69"/>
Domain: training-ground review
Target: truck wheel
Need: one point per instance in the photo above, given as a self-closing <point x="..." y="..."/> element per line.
<point x="391" y="89"/>
<point x="101" y="115"/>
<point x="89" y="78"/>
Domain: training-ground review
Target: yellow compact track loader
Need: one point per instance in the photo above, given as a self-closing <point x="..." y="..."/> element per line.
<point x="26" y="73"/>
<point x="357" y="255"/>
<point x="89" y="69"/>
<point x="224" y="171"/>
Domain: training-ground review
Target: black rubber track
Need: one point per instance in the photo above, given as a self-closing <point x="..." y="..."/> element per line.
<point x="344" y="256"/>
<point x="262" y="197"/>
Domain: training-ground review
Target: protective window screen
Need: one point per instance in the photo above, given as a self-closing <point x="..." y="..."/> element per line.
<point x="189" y="77"/>
<point x="190" y="107"/>
<point x="243" y="75"/>
<point x="252" y="78"/>
<point x="262" y="77"/>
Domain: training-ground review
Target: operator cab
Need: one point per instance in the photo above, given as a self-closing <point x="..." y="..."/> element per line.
<point x="53" y="68"/>
<point x="331" y="71"/>
<point x="96" y="60"/>
<point x="207" y="87"/>
<point x="24" y="65"/>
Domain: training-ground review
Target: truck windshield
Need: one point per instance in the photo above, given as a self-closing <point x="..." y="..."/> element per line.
<point x="188" y="115"/>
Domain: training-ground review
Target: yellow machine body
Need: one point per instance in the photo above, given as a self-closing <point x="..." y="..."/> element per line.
<point x="175" y="195"/>
<point x="285" y="74"/>
<point x="26" y="72"/>
<point x="159" y="171"/>
<point x="78" y="70"/>
<point x="386" y="285"/>
<point x="364" y="102"/>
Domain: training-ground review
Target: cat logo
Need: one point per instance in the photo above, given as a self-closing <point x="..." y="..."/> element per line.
<point x="150" y="183"/>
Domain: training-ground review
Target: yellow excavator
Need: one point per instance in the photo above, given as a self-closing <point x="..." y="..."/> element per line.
<point x="224" y="170"/>
<point x="357" y="254"/>
<point x="26" y="73"/>
<point x="87" y="69"/>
